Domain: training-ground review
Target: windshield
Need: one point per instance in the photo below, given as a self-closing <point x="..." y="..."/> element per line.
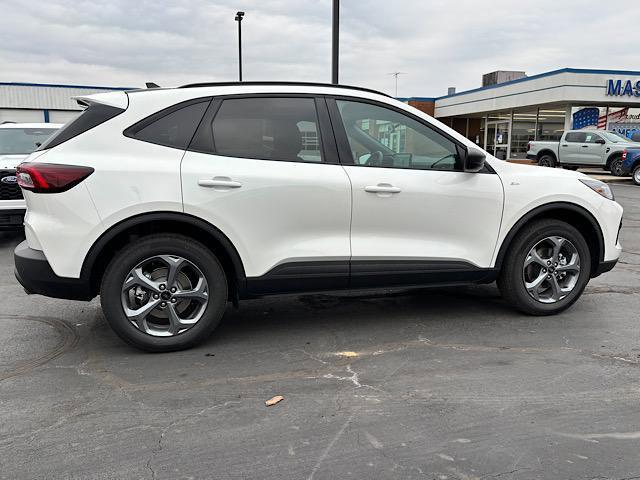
<point x="615" y="137"/>
<point x="18" y="141"/>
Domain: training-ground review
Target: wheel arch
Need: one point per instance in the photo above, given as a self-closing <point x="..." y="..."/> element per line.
<point x="122" y="233"/>
<point x="546" y="151"/>
<point x="570" y="213"/>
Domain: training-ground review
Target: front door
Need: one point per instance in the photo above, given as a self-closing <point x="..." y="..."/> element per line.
<point x="259" y="172"/>
<point x="416" y="215"/>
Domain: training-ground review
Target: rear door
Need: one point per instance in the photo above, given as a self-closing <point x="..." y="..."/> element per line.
<point x="417" y="217"/>
<point x="571" y="148"/>
<point x="265" y="171"/>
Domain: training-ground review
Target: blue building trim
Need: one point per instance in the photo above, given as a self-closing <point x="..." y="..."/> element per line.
<point x="46" y="116"/>
<point x="24" y="84"/>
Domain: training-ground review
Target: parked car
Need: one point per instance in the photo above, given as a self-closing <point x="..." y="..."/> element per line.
<point x="631" y="163"/>
<point x="17" y="141"/>
<point x="169" y="203"/>
<point x="582" y="148"/>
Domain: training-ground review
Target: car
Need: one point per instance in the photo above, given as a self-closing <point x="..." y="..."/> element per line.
<point x="631" y="163"/>
<point x="17" y="141"/>
<point x="169" y="203"/>
<point x="582" y="148"/>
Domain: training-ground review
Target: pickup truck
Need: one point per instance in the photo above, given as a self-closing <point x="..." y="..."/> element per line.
<point x="582" y="148"/>
<point x="17" y="141"/>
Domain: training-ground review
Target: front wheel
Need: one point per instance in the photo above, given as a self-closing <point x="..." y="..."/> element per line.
<point x="546" y="269"/>
<point x="164" y="292"/>
<point x="636" y="175"/>
<point x="617" y="167"/>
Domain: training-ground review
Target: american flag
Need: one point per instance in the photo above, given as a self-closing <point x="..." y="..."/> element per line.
<point x="612" y="117"/>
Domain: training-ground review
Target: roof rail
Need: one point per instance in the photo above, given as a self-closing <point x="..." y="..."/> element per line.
<point x="268" y="83"/>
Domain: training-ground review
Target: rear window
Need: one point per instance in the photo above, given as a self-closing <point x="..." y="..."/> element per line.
<point x="171" y="127"/>
<point x="575" y="137"/>
<point x="92" y="116"/>
<point x="18" y="141"/>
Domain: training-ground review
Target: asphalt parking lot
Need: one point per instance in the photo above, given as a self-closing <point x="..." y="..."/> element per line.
<point x="441" y="384"/>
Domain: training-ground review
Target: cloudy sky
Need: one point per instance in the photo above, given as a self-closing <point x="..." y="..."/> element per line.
<point x="438" y="43"/>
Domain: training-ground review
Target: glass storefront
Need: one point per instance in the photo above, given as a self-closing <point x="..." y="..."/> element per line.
<point x="523" y="130"/>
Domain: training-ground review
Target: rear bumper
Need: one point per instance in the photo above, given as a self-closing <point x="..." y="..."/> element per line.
<point x="531" y="156"/>
<point x="11" y="219"/>
<point x="36" y="276"/>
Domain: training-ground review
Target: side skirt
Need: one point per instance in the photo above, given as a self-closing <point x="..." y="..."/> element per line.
<point x="301" y="277"/>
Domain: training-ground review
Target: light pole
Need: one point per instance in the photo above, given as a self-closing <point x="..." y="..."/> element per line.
<point x="396" y="74"/>
<point x="335" y="30"/>
<point x="239" y="16"/>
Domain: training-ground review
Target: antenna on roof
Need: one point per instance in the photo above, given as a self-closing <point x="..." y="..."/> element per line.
<point x="152" y="85"/>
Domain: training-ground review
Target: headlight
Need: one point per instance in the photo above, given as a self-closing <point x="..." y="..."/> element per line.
<point x="599" y="187"/>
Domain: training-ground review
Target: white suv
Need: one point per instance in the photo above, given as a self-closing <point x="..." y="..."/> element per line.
<point x="171" y="202"/>
<point x="17" y="141"/>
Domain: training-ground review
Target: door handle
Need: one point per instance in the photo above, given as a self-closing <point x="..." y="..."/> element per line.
<point x="219" y="182"/>
<point x="565" y="145"/>
<point x="585" y="146"/>
<point x="382" y="188"/>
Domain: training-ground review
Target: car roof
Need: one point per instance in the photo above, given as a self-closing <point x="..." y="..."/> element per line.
<point x="31" y="125"/>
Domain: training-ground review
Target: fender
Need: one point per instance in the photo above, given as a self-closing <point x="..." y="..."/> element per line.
<point x="159" y="217"/>
<point x="538" y="211"/>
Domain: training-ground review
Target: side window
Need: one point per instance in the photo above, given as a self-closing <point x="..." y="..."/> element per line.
<point x="592" y="138"/>
<point x="381" y="137"/>
<point x="266" y="128"/>
<point x="173" y="129"/>
<point x="575" y="137"/>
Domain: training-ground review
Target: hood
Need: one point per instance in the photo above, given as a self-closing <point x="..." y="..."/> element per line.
<point x="629" y="144"/>
<point x="507" y="168"/>
<point x="11" y="161"/>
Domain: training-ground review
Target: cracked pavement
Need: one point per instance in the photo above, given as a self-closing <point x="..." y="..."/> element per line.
<point x="434" y="384"/>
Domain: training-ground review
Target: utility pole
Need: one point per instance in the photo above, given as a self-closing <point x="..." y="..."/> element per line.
<point x="239" y="16"/>
<point x="396" y="74"/>
<point x="335" y="31"/>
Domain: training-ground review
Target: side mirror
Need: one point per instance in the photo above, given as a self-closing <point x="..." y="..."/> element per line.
<point x="600" y="141"/>
<point x="474" y="160"/>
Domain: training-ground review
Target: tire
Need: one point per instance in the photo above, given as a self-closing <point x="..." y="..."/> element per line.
<point x="200" y="283"/>
<point x="636" y="175"/>
<point x="547" y="160"/>
<point x="511" y="280"/>
<point x="616" y="167"/>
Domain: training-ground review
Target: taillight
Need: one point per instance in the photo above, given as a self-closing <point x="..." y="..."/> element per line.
<point x="49" y="177"/>
<point x="624" y="155"/>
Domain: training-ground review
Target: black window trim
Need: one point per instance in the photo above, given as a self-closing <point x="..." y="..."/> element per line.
<point x="328" y="146"/>
<point x="134" y="129"/>
<point x="344" y="148"/>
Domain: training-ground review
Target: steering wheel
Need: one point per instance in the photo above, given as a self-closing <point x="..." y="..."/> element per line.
<point x="375" y="159"/>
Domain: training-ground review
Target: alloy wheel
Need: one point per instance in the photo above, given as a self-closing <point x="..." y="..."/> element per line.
<point x="551" y="269"/>
<point x="164" y="295"/>
<point x="616" y="167"/>
<point x="636" y="176"/>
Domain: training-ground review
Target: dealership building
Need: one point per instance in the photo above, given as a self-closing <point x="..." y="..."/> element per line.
<point x="510" y="109"/>
<point x="502" y="116"/>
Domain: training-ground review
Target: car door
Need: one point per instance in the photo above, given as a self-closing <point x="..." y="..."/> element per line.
<point x="571" y="148"/>
<point x="265" y="171"/>
<point x="594" y="151"/>
<point x="417" y="216"/>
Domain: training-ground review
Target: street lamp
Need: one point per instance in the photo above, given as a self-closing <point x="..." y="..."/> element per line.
<point x="335" y="32"/>
<point x="239" y="16"/>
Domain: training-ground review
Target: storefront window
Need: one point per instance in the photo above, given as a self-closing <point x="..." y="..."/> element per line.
<point x="523" y="130"/>
<point x="550" y="125"/>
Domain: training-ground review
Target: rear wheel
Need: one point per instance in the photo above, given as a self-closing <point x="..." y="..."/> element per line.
<point x="547" y="160"/>
<point x="636" y="175"/>
<point x="617" y="167"/>
<point x="546" y="269"/>
<point x="163" y="293"/>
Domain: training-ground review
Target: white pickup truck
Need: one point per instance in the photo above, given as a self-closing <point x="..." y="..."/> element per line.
<point x="582" y="148"/>
<point x="17" y="141"/>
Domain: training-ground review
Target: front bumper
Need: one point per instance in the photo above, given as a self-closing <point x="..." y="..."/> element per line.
<point x="36" y="276"/>
<point x="604" y="267"/>
<point x="11" y="219"/>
